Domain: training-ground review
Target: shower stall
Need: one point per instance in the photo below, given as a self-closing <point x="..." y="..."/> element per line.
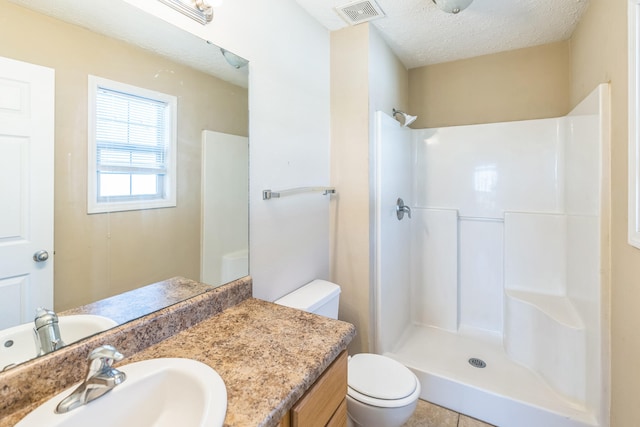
<point x="492" y="291"/>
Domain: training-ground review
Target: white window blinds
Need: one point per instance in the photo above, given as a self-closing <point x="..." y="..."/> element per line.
<point x="133" y="147"/>
<point x="130" y="133"/>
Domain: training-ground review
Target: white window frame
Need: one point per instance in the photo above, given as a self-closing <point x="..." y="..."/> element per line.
<point x="132" y="203"/>
<point x="634" y="125"/>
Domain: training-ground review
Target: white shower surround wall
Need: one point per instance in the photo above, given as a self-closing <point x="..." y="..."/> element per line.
<point x="504" y="265"/>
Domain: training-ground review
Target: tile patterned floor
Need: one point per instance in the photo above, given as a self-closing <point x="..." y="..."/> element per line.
<point x="430" y="415"/>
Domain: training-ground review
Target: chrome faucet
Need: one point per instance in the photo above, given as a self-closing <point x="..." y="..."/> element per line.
<point x="101" y="378"/>
<point x="47" y="332"/>
<point x="401" y="209"/>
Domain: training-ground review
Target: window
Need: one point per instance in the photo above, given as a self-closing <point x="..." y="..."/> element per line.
<point x="132" y="147"/>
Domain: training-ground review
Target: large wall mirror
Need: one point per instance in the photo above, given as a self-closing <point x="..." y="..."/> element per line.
<point x="203" y="235"/>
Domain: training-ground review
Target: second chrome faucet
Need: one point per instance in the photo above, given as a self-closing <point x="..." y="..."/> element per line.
<point x="47" y="332"/>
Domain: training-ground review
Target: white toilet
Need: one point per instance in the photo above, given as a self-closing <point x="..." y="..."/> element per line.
<point x="381" y="392"/>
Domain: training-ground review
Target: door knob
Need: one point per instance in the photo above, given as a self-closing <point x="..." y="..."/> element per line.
<point x="41" y="256"/>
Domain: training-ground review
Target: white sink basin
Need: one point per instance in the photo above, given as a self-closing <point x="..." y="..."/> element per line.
<point x="157" y="392"/>
<point x="18" y="344"/>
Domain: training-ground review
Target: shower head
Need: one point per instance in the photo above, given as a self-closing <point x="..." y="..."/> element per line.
<point x="407" y="119"/>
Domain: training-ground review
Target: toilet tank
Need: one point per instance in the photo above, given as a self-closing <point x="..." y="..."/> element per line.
<point x="319" y="297"/>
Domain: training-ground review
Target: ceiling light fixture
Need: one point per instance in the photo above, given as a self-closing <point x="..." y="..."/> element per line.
<point x="234" y="60"/>
<point x="452" y="6"/>
<point x="200" y="12"/>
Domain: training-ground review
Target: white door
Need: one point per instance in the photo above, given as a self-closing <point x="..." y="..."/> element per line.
<point x="26" y="190"/>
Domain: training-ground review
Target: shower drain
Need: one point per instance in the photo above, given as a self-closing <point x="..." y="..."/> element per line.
<point x="477" y="363"/>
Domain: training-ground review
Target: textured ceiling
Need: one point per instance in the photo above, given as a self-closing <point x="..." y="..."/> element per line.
<point x="421" y="34"/>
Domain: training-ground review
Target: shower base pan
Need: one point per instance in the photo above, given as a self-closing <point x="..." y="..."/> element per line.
<point x="502" y="392"/>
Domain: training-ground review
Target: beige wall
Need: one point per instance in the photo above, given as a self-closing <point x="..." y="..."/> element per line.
<point x="599" y="54"/>
<point x="523" y="84"/>
<point x="366" y="76"/>
<point x="350" y="175"/>
<point x="388" y="78"/>
<point x="105" y="254"/>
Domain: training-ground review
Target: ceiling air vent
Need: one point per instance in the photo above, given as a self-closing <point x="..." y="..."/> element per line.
<point x="360" y="11"/>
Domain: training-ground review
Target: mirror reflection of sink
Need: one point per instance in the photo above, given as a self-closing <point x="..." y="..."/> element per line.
<point x="157" y="392"/>
<point x="17" y="344"/>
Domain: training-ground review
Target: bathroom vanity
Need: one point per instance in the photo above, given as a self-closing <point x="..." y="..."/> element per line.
<point x="324" y="404"/>
<point x="279" y="364"/>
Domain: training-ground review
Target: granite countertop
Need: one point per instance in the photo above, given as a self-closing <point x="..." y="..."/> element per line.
<point x="139" y="302"/>
<point x="268" y="355"/>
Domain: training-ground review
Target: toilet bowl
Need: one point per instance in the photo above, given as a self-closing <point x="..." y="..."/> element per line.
<point x="381" y="392"/>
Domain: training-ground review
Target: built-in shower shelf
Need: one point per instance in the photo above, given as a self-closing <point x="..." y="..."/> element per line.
<point x="545" y="333"/>
<point x="557" y="307"/>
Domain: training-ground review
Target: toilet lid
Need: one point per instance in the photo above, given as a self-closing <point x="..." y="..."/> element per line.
<point x="380" y="377"/>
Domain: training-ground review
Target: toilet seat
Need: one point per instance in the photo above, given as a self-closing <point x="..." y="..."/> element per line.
<point x="380" y="381"/>
<point x="380" y="403"/>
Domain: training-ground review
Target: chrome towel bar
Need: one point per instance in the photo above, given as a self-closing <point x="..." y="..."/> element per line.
<point x="269" y="194"/>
